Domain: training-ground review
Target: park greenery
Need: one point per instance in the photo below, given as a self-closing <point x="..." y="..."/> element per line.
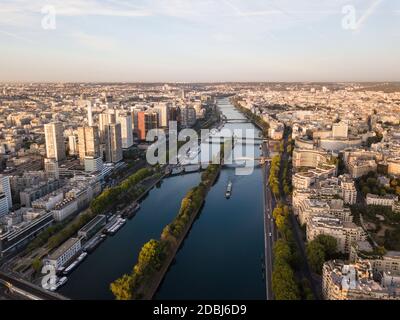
<point x="286" y="258"/>
<point x="376" y="139"/>
<point x="37" y="265"/>
<point x="126" y="191"/>
<point x="380" y="218"/>
<point x="319" y="250"/>
<point x="156" y="254"/>
<point x="280" y="170"/>
<point x="370" y="184"/>
<point x="286" y="181"/>
<point x="274" y="174"/>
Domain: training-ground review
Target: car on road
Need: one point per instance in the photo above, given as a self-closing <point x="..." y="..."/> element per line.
<point x="270" y="234"/>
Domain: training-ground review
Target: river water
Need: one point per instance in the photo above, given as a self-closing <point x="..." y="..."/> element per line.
<point x="220" y="258"/>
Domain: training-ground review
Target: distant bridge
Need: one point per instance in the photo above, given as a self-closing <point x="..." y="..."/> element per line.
<point x="236" y="162"/>
<point x="237" y="121"/>
<point x="237" y="140"/>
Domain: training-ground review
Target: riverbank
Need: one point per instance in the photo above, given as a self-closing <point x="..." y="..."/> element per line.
<point x="256" y="120"/>
<point x="156" y="257"/>
<point x="159" y="278"/>
<point x="135" y="188"/>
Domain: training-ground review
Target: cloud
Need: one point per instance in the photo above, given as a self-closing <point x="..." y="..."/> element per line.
<point x="15" y="36"/>
<point x="94" y="42"/>
<point x="223" y="37"/>
<point x="23" y="13"/>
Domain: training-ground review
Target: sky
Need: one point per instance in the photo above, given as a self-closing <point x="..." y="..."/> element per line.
<point x="199" y="40"/>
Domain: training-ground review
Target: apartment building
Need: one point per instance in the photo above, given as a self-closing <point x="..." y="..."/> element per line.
<point x="345" y="233"/>
<point x="342" y="281"/>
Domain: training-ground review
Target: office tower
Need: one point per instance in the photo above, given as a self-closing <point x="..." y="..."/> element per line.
<point x="340" y="130"/>
<point x="4" y="209"/>
<point x="73" y="145"/>
<point x="188" y="117"/>
<point x="173" y="114"/>
<point x="5" y="189"/>
<point x="51" y="167"/>
<point x="163" y="114"/>
<point x="147" y="120"/>
<point x="125" y="119"/>
<point x="105" y="119"/>
<point x="90" y="114"/>
<point x="54" y="134"/>
<point x="88" y="142"/>
<point x="134" y="112"/>
<point x="113" y="143"/>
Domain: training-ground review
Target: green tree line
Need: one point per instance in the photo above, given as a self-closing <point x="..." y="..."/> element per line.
<point x="154" y="253"/>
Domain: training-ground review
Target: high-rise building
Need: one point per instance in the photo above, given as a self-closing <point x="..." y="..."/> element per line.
<point x="113" y="143"/>
<point x="188" y="117"/>
<point x="89" y="144"/>
<point x="134" y="113"/>
<point x="4" y="209"/>
<point x="105" y="119"/>
<point x="54" y="134"/>
<point x="173" y="114"/>
<point x="73" y="145"/>
<point x="147" y="120"/>
<point x="90" y="114"/>
<point x="163" y="114"/>
<point x="5" y="188"/>
<point x="125" y="119"/>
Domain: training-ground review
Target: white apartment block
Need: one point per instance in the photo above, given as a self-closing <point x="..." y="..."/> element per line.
<point x="64" y="209"/>
<point x="125" y="120"/>
<point x="385" y="201"/>
<point x="64" y="253"/>
<point x="55" y="147"/>
<point x="349" y="192"/>
<point x="346" y="233"/>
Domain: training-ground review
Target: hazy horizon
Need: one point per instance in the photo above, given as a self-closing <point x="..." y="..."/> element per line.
<point x="199" y="41"/>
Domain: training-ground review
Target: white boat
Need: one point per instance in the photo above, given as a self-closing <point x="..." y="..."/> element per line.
<point x="58" y="284"/>
<point x="62" y="281"/>
<point x="71" y="267"/>
<point x="82" y="256"/>
<point x="228" y="190"/>
<point x="118" y="225"/>
<point x="61" y="269"/>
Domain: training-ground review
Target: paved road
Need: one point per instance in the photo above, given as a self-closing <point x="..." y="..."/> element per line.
<point x="270" y="234"/>
<point x="297" y="232"/>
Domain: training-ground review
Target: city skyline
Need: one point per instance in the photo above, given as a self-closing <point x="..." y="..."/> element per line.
<point x="199" y="41"/>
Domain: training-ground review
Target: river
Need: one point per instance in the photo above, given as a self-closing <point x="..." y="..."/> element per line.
<point x="220" y="258"/>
